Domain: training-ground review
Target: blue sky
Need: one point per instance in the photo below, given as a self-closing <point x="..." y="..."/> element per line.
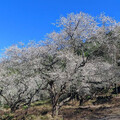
<point x="24" y="20"/>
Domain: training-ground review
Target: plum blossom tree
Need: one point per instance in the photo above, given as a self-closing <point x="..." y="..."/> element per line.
<point x="20" y="79"/>
<point x="66" y="56"/>
<point x="73" y="57"/>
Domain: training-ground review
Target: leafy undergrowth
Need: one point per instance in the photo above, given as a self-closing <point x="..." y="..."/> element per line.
<point x="41" y="110"/>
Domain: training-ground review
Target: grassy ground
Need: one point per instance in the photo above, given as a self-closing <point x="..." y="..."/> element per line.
<point x="41" y="110"/>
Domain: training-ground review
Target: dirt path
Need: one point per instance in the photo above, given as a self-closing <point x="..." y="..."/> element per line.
<point x="101" y="113"/>
<point x="112" y="117"/>
<point x="95" y="112"/>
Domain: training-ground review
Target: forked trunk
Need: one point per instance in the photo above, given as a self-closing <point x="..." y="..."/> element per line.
<point x="55" y="110"/>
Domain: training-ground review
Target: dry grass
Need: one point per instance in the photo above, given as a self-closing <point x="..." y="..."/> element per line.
<point x="70" y="111"/>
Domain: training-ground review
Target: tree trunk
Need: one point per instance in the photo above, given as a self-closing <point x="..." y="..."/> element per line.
<point x="56" y="106"/>
<point x="55" y="110"/>
<point x="81" y="102"/>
